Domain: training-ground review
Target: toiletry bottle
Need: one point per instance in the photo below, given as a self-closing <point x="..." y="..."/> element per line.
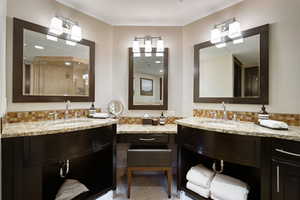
<point x="263" y="114"/>
<point x="162" y="119"/>
<point x="92" y="110"/>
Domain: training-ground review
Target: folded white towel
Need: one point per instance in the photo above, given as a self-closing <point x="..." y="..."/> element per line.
<point x="204" y="192"/>
<point x="100" y="115"/>
<point x="228" y="188"/>
<point x="200" y="175"/>
<point x="273" y="123"/>
<point x="70" y="189"/>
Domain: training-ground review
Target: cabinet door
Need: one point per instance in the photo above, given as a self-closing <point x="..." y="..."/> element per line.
<point x="285" y="180"/>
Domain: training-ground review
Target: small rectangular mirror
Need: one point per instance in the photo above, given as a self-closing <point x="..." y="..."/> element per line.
<point x="148" y="80"/>
<point x="236" y="73"/>
<point x="51" y="68"/>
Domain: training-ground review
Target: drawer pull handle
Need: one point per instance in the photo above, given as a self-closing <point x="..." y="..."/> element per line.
<point x="278" y="179"/>
<point x="147" y="139"/>
<point x="288" y="153"/>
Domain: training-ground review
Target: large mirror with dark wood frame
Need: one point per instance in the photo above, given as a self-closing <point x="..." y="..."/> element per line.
<point x="51" y="69"/>
<point x="148" y="80"/>
<point x="235" y="73"/>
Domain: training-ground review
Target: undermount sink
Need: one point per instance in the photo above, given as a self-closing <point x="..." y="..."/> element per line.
<point x="70" y="122"/>
<point x="220" y="123"/>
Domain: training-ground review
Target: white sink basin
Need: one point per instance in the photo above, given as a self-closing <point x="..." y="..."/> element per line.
<point x="220" y="123"/>
<point x="64" y="123"/>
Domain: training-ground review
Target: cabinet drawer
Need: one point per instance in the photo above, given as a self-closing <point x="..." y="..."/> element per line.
<point x="232" y="148"/>
<point x="286" y="150"/>
<point x="143" y="138"/>
<point x="56" y="147"/>
<point x="149" y="157"/>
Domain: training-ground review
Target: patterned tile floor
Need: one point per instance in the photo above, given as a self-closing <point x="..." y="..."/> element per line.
<point x="149" y="186"/>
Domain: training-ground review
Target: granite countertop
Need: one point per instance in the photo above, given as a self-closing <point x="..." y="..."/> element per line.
<point x="239" y="128"/>
<point x="139" y="128"/>
<point x="53" y="127"/>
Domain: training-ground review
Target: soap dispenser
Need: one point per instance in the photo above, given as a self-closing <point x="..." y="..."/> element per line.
<point x="162" y="119"/>
<point x="92" y="110"/>
<point x="263" y="114"/>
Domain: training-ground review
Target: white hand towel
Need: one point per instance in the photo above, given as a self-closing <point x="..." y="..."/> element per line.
<point x="228" y="188"/>
<point x="101" y="115"/>
<point x="204" y="192"/>
<point x="70" y="189"/>
<point x="273" y="124"/>
<point x="200" y="175"/>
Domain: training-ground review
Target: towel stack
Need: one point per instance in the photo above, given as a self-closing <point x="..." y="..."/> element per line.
<point x="207" y="184"/>
<point x="199" y="180"/>
<point x="227" y="188"/>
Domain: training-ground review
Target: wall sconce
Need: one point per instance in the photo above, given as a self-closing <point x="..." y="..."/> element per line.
<point x="148" y="44"/>
<point x="230" y="28"/>
<point x="60" y="25"/>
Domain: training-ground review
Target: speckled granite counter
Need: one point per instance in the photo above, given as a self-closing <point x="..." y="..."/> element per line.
<point x="138" y="128"/>
<point x="239" y="128"/>
<point x="53" y="127"/>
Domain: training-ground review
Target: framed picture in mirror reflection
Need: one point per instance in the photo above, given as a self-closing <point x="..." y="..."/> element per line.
<point x="146" y="87"/>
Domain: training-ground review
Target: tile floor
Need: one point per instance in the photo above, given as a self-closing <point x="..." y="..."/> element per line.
<point x="148" y="186"/>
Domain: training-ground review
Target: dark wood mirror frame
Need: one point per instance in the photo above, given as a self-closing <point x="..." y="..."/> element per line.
<point x="19" y="26"/>
<point x="131" y="105"/>
<point x="263" y="31"/>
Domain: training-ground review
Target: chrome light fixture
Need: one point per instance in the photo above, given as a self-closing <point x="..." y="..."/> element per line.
<point x="60" y="25"/>
<point x="230" y="28"/>
<point x="148" y="45"/>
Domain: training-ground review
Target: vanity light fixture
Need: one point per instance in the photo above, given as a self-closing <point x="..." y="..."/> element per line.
<point x="230" y="28"/>
<point x="148" y="44"/>
<point x="60" y="25"/>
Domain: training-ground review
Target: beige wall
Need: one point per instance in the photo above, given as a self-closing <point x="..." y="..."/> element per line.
<point x="41" y="12"/>
<point x="123" y="36"/>
<point x="2" y="56"/>
<point x="284" y="51"/>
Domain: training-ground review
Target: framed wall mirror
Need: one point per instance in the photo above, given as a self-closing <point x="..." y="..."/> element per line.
<point x="51" y="69"/>
<point x="236" y="73"/>
<point x="148" y="80"/>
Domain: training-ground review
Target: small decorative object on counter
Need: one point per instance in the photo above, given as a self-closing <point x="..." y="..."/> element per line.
<point x="263" y="114"/>
<point x="92" y="110"/>
<point x="162" y="119"/>
<point x="147" y="120"/>
<point x="154" y="122"/>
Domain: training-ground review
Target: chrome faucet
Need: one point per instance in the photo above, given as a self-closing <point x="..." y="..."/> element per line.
<point x="68" y="105"/>
<point x="224" y="111"/>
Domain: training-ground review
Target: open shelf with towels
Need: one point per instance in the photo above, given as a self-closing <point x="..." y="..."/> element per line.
<point x="199" y="147"/>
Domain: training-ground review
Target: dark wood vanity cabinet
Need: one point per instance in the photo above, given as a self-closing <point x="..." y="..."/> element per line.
<point x="285" y="170"/>
<point x="270" y="166"/>
<point x="31" y="165"/>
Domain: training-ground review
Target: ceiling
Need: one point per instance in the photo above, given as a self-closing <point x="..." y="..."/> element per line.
<point x="149" y="12"/>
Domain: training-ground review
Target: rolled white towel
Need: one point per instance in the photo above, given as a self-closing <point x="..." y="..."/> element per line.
<point x="204" y="192"/>
<point x="70" y="189"/>
<point x="273" y="123"/>
<point x="100" y="115"/>
<point x="200" y="175"/>
<point x="224" y="187"/>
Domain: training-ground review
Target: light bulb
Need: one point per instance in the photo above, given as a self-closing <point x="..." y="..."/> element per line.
<point x="238" y="41"/>
<point x="148" y="46"/>
<point x="71" y="43"/>
<point x="234" y="30"/>
<point x="215" y="36"/>
<point x="53" y="38"/>
<point x="160" y="46"/>
<point x="56" y="26"/>
<point x="135" y="46"/>
<point x="76" y="33"/>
